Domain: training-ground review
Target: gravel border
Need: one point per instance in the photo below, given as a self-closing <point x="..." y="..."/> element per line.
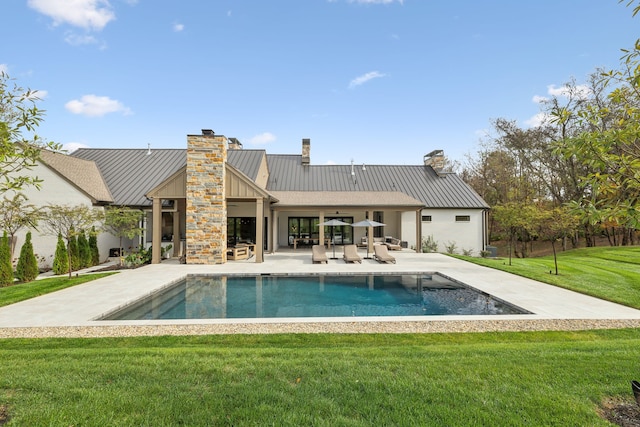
<point x="449" y="326"/>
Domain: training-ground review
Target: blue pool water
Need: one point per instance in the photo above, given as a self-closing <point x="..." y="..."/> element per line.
<point x="224" y="297"/>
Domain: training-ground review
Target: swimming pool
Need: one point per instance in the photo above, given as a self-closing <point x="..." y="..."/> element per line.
<point x="273" y="296"/>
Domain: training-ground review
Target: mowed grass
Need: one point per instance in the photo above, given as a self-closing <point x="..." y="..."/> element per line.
<point x="489" y="379"/>
<point x="24" y="291"/>
<point x="481" y="379"/>
<point x="610" y="273"/>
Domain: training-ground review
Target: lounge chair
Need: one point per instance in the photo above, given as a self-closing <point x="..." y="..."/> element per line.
<point x="318" y="254"/>
<point x="381" y="254"/>
<point x="351" y="254"/>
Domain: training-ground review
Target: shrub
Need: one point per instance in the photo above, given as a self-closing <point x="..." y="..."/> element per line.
<point x="61" y="259"/>
<point x="467" y="252"/>
<point x="84" y="253"/>
<point x="74" y="253"/>
<point x="136" y="259"/>
<point x="93" y="247"/>
<point x="6" y="268"/>
<point x="27" y="268"/>
<point x="451" y="247"/>
<point x="429" y="244"/>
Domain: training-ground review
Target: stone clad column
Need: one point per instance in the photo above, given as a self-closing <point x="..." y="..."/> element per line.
<point x="206" y="212"/>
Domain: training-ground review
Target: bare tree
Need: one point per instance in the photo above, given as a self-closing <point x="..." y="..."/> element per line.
<point x="65" y="220"/>
<point x="16" y="214"/>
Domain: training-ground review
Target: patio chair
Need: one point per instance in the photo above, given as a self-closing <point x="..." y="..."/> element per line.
<point x="393" y="243"/>
<point x="351" y="254"/>
<point x="318" y="254"/>
<point x="381" y="254"/>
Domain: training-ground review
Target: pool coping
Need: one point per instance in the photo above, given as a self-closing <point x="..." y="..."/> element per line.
<point x="69" y="312"/>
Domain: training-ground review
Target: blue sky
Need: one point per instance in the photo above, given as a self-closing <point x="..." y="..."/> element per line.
<point x="373" y="81"/>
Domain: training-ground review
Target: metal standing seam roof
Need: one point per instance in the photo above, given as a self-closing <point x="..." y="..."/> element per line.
<point x="130" y="173"/>
<point x="84" y="174"/>
<point x="286" y="173"/>
<point x="246" y="161"/>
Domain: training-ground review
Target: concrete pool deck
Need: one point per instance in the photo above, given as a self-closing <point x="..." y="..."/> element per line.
<point x="71" y="312"/>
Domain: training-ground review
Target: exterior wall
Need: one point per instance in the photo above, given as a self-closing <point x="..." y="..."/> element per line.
<point x="206" y="216"/>
<point x="56" y="191"/>
<point x="445" y="230"/>
<point x="392" y="222"/>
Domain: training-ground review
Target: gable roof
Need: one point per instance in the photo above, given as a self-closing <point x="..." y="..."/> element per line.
<point x="83" y="174"/>
<point x="286" y="174"/>
<point x="130" y="173"/>
<point x="246" y="161"/>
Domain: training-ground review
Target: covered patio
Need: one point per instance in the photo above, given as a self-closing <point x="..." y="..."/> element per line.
<point x="298" y="214"/>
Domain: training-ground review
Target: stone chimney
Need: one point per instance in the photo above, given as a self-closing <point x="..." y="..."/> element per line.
<point x="306" y="151"/>
<point x="206" y="214"/>
<point x="435" y="159"/>
<point x="234" y="144"/>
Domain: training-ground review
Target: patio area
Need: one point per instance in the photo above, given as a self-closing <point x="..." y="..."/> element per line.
<point x="71" y="312"/>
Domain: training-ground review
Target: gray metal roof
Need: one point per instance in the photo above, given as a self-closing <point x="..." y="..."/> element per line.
<point x="130" y="173"/>
<point x="246" y="161"/>
<point x="286" y="173"/>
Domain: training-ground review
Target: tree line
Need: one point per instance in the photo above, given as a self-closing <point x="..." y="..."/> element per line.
<point x="575" y="175"/>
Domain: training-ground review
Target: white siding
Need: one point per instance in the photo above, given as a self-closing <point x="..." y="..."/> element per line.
<point x="445" y="230"/>
<point x="57" y="191"/>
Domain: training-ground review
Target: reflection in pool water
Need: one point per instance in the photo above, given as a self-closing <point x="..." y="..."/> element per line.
<point x="225" y="297"/>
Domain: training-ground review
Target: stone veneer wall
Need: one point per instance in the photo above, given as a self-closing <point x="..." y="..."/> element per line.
<point x="206" y="204"/>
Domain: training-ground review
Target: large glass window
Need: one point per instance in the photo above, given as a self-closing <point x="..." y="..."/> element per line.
<point x="302" y="228"/>
<point x="241" y="230"/>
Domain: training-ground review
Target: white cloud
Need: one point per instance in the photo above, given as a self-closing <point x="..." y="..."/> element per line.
<point x="537" y="99"/>
<point x="365" y="78"/>
<point x="263" y="138"/>
<point x="578" y="91"/>
<point x="39" y="94"/>
<point x="70" y="147"/>
<point x="178" y="27"/>
<point x="78" y="40"/>
<point x="87" y="14"/>
<point x="96" y="106"/>
<point x="537" y="120"/>
<point x="4" y="68"/>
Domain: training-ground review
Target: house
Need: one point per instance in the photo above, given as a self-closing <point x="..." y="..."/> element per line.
<point x="215" y="195"/>
<point x="66" y="180"/>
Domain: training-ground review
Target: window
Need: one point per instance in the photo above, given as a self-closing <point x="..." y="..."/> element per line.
<point x="463" y="218"/>
<point x="241" y="230"/>
<point x="426" y="218"/>
<point x="308" y="227"/>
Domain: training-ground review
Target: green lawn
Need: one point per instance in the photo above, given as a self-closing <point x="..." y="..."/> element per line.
<point x="23" y="291"/>
<point x="611" y="273"/>
<point x="481" y="379"/>
<point x="491" y="379"/>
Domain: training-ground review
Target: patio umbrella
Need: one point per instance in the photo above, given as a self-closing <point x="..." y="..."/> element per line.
<point x="333" y="223"/>
<point x="367" y="223"/>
